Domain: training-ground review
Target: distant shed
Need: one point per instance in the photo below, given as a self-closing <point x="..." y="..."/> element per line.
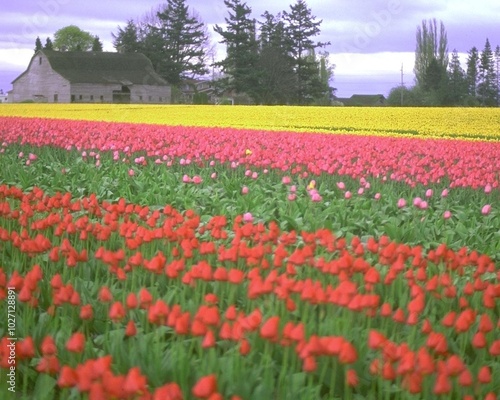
<point x="363" y="100"/>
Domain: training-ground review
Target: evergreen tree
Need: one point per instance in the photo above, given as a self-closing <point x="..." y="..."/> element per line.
<point x="472" y="72"/>
<point x="497" y="72"/>
<point x="240" y="64"/>
<point x="185" y="40"/>
<point x="127" y="40"/>
<point x="38" y="44"/>
<point x="277" y="82"/>
<point x="457" y="84"/>
<point x="96" y="44"/>
<point x="430" y="46"/>
<point x="302" y="26"/>
<point x="486" y="89"/>
<point x="48" y="45"/>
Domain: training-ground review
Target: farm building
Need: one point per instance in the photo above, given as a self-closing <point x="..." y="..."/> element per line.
<point x="90" y="77"/>
<point x="363" y="100"/>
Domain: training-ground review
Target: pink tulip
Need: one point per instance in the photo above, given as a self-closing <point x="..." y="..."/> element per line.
<point x="487" y="188"/>
<point x="447" y="214"/>
<point x="444" y="193"/>
<point x="21" y="155"/>
<point x="197" y="179"/>
<point x="486" y="209"/>
<point x="341" y="185"/>
<point x="423" y="205"/>
<point x="348" y="195"/>
<point x="255" y="175"/>
<point x="214" y="175"/>
<point x="361" y="191"/>
<point x="316" y="197"/>
<point x="417" y="201"/>
<point x="131" y="172"/>
<point x="186" y="179"/>
<point x="293" y="188"/>
<point x="377" y="196"/>
<point x="244" y="190"/>
<point x="248" y="172"/>
<point x="247" y="217"/>
<point x="401" y="203"/>
<point x="32" y="157"/>
<point x="428" y="193"/>
<point x="286" y="180"/>
<point x="292" y="197"/>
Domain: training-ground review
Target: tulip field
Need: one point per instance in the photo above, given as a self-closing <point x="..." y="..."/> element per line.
<point x="252" y="253"/>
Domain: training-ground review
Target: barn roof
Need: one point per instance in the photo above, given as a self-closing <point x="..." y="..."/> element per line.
<point x="102" y="67"/>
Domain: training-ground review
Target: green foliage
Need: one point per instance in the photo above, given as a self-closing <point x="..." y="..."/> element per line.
<point x="301" y="27"/>
<point x="487" y="90"/>
<point x="48" y="44"/>
<point x="38" y="44"/>
<point x="96" y="44"/>
<point x="126" y="40"/>
<point x="183" y="42"/>
<point x="200" y="98"/>
<point x="72" y="38"/>
<point x="430" y="46"/>
<point x="240" y="64"/>
<point x="173" y="37"/>
<point x="457" y="83"/>
<point x="439" y="83"/>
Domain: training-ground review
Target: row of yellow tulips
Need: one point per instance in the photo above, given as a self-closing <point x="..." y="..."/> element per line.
<point x="467" y="123"/>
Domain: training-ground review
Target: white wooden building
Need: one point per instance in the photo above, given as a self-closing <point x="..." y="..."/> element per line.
<point x="90" y="77"/>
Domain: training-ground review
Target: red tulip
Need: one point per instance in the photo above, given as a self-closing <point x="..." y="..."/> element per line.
<point x="205" y="386"/>
<point x="269" y="329"/>
<point x="484" y="375"/>
<point x="76" y="343"/>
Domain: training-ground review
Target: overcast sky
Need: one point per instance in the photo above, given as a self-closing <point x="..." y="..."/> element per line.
<point x="370" y="39"/>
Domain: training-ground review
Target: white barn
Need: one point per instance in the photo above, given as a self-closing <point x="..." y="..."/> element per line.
<point x="90" y="77"/>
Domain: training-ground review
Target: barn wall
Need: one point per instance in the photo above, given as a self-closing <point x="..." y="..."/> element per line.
<point x="40" y="83"/>
<point x="150" y="94"/>
<point x="93" y="93"/>
<point x="146" y="94"/>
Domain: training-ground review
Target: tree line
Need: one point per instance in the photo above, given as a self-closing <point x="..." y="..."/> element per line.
<point x="274" y="60"/>
<point x="441" y="80"/>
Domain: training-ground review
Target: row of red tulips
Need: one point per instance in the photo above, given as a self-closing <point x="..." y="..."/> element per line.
<point x="461" y="163"/>
<point x="355" y="316"/>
